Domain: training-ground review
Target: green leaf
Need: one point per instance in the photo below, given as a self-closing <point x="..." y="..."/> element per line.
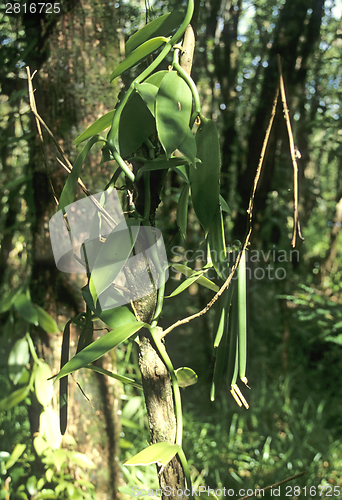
<point x="224" y="205"/>
<point x="173" y="110"/>
<point x="161" y="163"/>
<point x="99" y="347"/>
<point x="14" y="399"/>
<point x="217" y="245"/>
<point x="69" y="191"/>
<point x="186" y="377"/>
<point x="43" y="386"/>
<point x="115" y="317"/>
<point x="183" y="286"/>
<point x="120" y="378"/>
<point x="189" y="148"/>
<point x="26" y="309"/>
<point x="112" y="257"/>
<point x="18" y="359"/>
<point x="98" y="126"/>
<point x="136" y="125"/>
<point x="46" y="321"/>
<point x="160" y="453"/>
<point x="204" y="180"/>
<point x="156" y="78"/>
<point x="148" y="93"/>
<point x="7" y="301"/>
<point x="188" y="272"/>
<point x="163" y="25"/>
<point x="222" y="314"/>
<point x="138" y="55"/>
<point x="182" y="211"/>
<point x="15" y="455"/>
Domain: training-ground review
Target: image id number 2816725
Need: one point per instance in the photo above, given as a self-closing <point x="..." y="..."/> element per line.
<point x="32" y="8"/>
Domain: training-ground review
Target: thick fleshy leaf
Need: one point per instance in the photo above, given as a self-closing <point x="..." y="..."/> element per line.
<point x="204" y="180"/>
<point x="224" y="205"/>
<point x="136" y="125"/>
<point x="161" y="163"/>
<point x="120" y="378"/>
<point x="188" y="272"/>
<point x="188" y="147"/>
<point x="115" y="317"/>
<point x="112" y="257"/>
<point x="217" y="245"/>
<point x="182" y="210"/>
<point x="7" y="301"/>
<point x="163" y="25"/>
<point x="183" y="286"/>
<point x="156" y="78"/>
<point x="186" y="377"/>
<point x="26" y="309"/>
<point x="160" y="453"/>
<point x="173" y="110"/>
<point x="138" y="55"/>
<point x="99" y="347"/>
<point x="98" y="126"/>
<point x="14" y="399"/>
<point x="148" y="93"/>
<point x="42" y="385"/>
<point x="69" y="191"/>
<point x="18" y="359"/>
<point x="46" y="321"/>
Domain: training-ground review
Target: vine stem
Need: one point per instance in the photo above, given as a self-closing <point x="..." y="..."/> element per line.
<point x="112" y="135"/>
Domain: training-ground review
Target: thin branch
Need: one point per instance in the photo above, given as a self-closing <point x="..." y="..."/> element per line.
<point x="296" y="224"/>
<point x="66" y="165"/>
<point x="275" y="485"/>
<point x="248" y="231"/>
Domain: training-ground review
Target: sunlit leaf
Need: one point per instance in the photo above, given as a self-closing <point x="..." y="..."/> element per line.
<point x="163" y="25"/>
<point x="173" y="109"/>
<point x="156" y="78"/>
<point x="202" y="280"/>
<point x="160" y="453"/>
<point x="15" y="455"/>
<point x="98" y="126"/>
<point x="99" y="347"/>
<point x="148" y="93"/>
<point x="46" y="321"/>
<point x="14" y="399"/>
<point x="186" y="377"/>
<point x="138" y="55"/>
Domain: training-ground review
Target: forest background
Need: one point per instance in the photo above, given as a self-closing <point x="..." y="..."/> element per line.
<point x="294" y="307"/>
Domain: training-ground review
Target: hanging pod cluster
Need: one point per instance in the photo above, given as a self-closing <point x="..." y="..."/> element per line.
<point x="230" y="342"/>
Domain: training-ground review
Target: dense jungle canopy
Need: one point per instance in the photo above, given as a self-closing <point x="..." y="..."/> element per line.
<point x="294" y="422"/>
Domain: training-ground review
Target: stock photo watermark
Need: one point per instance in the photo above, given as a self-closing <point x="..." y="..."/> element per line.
<point x="260" y="264"/>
